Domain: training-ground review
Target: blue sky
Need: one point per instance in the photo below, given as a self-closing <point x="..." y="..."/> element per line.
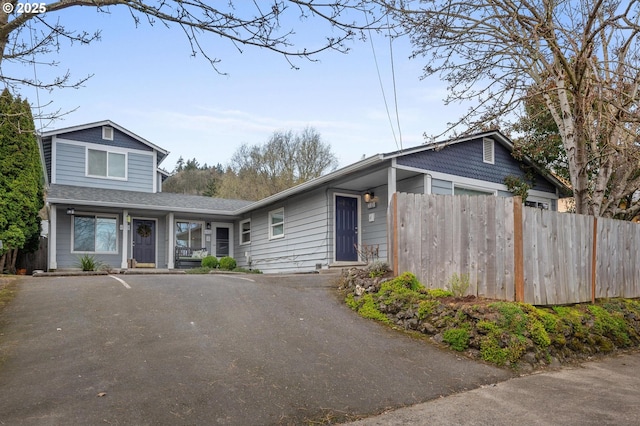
<point x="146" y="80"/>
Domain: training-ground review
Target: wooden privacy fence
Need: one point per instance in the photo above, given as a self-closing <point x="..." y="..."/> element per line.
<point x="511" y="252"/>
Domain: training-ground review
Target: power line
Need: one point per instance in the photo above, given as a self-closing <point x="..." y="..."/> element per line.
<point x="384" y="96"/>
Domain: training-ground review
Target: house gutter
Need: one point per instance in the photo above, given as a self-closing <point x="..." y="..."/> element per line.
<point x="130" y="206"/>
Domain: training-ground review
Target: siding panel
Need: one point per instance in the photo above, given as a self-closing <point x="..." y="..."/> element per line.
<point x="71" y="163"/>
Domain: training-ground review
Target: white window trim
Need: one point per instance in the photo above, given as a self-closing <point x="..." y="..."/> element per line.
<point x="271" y="225"/>
<point x="202" y="228"/>
<point x="241" y="233"/>
<point x="95" y="215"/>
<point x="473" y="188"/>
<point x="488" y="142"/>
<point x="105" y="133"/>
<point x="108" y="151"/>
<point x="214" y="241"/>
<point x="359" y="201"/>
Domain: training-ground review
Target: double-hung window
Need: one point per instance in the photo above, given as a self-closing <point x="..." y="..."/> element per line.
<point x="106" y="164"/>
<point x="276" y="224"/>
<point x="245" y="231"/>
<point x="95" y="234"/>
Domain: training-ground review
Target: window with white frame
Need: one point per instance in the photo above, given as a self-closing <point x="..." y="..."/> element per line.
<point x="467" y="190"/>
<point x="95" y="234"/>
<point x="276" y="223"/>
<point x="189" y="234"/>
<point x="245" y="231"/>
<point x="488" y="152"/>
<point x="538" y="204"/>
<point x="106" y="164"/>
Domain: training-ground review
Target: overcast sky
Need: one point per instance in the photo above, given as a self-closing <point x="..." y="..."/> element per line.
<point x="146" y="80"/>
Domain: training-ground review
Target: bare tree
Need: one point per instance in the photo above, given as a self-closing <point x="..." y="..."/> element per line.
<point x="581" y="56"/>
<point x="286" y="160"/>
<point x="31" y="31"/>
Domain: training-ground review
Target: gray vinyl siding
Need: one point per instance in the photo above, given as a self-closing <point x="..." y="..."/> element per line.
<point x="71" y="170"/>
<point x="465" y="159"/>
<point x="375" y="233"/>
<point x="68" y="260"/>
<point x="94" y="135"/>
<point x="413" y="185"/>
<point x="441" y="187"/>
<point x="306" y="236"/>
<point x="46" y="153"/>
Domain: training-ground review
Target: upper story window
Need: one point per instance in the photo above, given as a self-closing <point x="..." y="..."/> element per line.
<point x="107" y="133"/>
<point x="106" y="164"/>
<point x="276" y="223"/>
<point x="488" y="153"/>
<point x="245" y="231"/>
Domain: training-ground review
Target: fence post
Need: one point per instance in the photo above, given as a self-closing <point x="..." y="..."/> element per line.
<point x="594" y="258"/>
<point x="518" y="249"/>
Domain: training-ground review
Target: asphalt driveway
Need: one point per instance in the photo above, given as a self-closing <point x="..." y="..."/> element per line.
<point x="209" y="349"/>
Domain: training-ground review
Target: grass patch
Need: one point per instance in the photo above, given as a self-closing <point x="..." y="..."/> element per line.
<point x="8" y="290"/>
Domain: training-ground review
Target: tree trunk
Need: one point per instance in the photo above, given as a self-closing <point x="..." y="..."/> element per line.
<point x="2" y="261"/>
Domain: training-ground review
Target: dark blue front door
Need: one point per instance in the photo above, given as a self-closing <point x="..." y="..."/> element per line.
<point x="346" y="229"/>
<point x="144" y="241"/>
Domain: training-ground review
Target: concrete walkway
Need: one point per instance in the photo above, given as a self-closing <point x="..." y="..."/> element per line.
<point x="604" y="392"/>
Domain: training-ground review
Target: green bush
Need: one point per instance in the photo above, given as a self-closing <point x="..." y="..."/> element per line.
<point x="227" y="263"/>
<point x="459" y="284"/>
<point x="209" y="262"/>
<point x="436" y="293"/>
<point x="457" y="338"/>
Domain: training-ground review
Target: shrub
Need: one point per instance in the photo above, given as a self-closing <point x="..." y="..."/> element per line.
<point x="227" y="263"/>
<point x="368" y="309"/>
<point x="457" y="338"/>
<point x="210" y="262"/>
<point x="88" y="263"/>
<point x="459" y="284"/>
<point x="408" y="280"/>
<point x="437" y="293"/>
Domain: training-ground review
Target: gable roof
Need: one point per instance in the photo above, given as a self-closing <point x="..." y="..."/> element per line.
<point x="162" y="153"/>
<point x="381" y="158"/>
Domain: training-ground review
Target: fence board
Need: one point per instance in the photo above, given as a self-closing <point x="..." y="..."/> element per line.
<point x="440" y="235"/>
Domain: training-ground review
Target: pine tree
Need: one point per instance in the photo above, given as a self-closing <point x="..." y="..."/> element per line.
<point x="21" y="186"/>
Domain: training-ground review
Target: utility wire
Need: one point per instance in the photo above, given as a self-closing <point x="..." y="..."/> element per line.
<point x="384" y="97"/>
<point x="393" y="77"/>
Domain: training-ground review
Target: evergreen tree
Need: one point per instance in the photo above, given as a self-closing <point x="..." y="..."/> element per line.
<point x="21" y="189"/>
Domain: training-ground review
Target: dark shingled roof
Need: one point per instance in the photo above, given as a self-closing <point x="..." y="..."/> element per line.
<point x="165" y="201"/>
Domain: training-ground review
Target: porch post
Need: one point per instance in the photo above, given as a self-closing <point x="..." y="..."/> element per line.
<point x="53" y="230"/>
<point x="172" y="241"/>
<point x="125" y="239"/>
<point x="391" y="181"/>
<point x="427" y="184"/>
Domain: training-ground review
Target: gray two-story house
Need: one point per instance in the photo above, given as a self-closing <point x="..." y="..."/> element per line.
<point x="104" y="195"/>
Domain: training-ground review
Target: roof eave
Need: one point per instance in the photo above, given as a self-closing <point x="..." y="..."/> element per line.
<point x="313" y="183"/>
<point x="129" y="206"/>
